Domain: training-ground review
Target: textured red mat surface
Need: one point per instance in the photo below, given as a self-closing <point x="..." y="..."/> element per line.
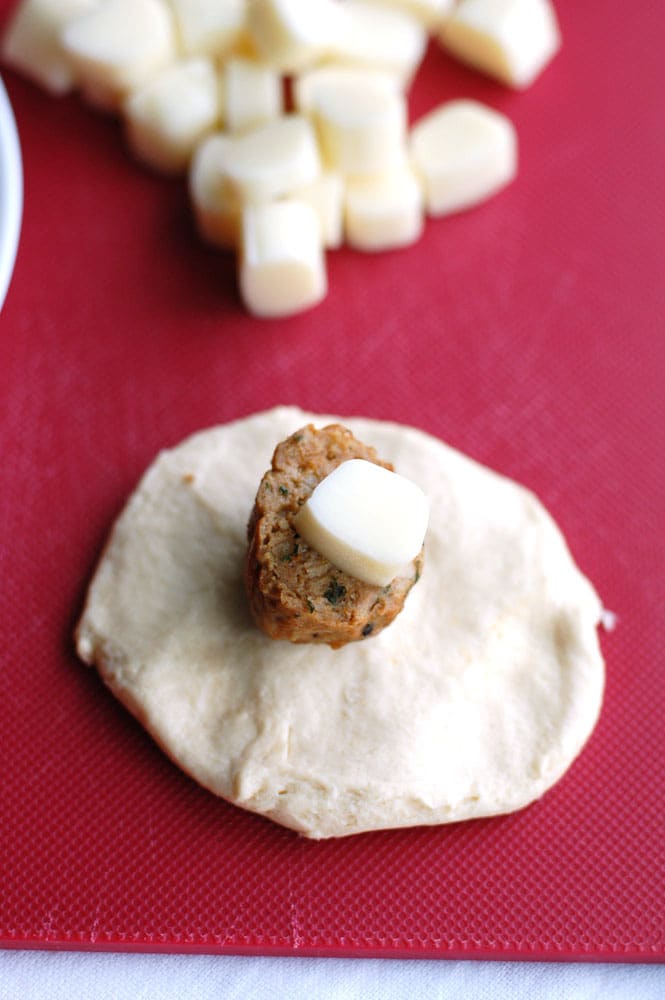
<point x="528" y="333"/>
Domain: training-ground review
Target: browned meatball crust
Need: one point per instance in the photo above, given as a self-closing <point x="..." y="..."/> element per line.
<point x="294" y="592"/>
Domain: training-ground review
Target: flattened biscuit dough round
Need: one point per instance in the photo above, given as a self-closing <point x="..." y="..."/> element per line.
<point x="473" y="702"/>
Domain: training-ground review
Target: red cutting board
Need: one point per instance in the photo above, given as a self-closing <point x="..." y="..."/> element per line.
<point x="528" y="333"/>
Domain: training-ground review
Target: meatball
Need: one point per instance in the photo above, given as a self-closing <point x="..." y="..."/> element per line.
<point x="294" y="592"/>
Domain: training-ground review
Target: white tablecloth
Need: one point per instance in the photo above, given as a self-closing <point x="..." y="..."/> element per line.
<point x="70" y="976"/>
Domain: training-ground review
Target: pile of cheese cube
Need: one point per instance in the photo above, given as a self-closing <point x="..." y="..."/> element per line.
<point x="289" y="117"/>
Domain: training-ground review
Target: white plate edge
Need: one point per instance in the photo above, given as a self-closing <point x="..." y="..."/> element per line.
<point x="11" y="192"/>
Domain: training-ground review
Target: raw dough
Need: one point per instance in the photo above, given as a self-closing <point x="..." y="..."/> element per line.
<point x="473" y="702"/>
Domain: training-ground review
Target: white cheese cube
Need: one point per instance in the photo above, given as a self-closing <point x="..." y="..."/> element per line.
<point x="210" y="27"/>
<point x="282" y="266"/>
<point x="167" y="117"/>
<point x="272" y="160"/>
<point x="292" y="34"/>
<point x="361" y="124"/>
<point x="366" y="520"/>
<point x="384" y="211"/>
<point x="379" y="38"/>
<point x="118" y="46"/>
<point x="252" y="94"/>
<point x="31" y="42"/>
<point x="216" y="211"/>
<point x="428" y="12"/>
<point x="464" y="152"/>
<point x="324" y="79"/>
<point x="511" y="40"/>
<point x="325" y="195"/>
